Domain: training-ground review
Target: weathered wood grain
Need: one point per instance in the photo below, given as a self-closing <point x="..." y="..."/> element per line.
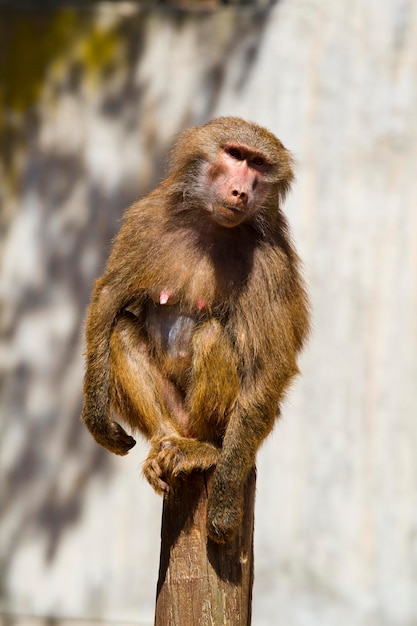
<point x="201" y="582"/>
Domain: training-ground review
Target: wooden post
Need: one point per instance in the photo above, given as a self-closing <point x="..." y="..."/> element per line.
<point x="202" y="583"/>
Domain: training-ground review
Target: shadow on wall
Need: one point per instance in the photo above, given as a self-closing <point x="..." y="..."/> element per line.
<point x="81" y="138"/>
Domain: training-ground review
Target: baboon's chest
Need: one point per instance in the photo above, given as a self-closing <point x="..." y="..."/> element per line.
<point x="170" y="331"/>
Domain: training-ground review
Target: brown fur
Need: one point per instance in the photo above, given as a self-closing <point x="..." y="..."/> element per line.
<point x="201" y="373"/>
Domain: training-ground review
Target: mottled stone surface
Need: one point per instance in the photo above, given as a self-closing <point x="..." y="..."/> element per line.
<point x="90" y="101"/>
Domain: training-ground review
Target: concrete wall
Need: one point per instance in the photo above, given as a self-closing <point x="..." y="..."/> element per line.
<point x="90" y="100"/>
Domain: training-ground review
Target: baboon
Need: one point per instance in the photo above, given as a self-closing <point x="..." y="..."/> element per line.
<point x="194" y="328"/>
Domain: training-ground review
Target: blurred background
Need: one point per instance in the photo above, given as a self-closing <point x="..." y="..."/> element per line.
<point x="91" y="97"/>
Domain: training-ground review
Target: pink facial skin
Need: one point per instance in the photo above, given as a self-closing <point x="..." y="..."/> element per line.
<point x="237" y="181"/>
